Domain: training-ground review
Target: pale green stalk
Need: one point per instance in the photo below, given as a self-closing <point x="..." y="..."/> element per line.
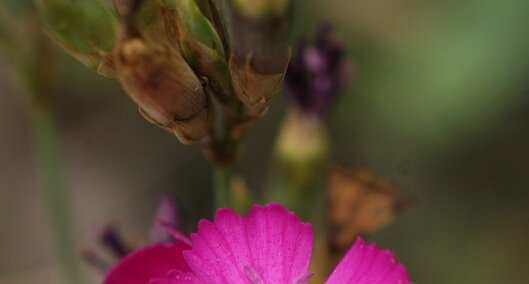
<point x="35" y="65"/>
<point x="222" y="186"/>
<point x="55" y="194"/>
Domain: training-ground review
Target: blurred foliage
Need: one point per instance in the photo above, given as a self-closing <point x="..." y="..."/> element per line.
<point x="439" y="105"/>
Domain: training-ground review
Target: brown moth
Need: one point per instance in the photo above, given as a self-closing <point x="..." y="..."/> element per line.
<point x="360" y="203"/>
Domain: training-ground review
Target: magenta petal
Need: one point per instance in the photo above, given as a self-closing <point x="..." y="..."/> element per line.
<point x="176" y="277"/>
<point x="270" y="245"/>
<point x="367" y="264"/>
<point x="148" y="263"/>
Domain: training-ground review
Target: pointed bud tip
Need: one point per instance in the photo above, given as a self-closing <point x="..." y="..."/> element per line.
<point x="262" y="9"/>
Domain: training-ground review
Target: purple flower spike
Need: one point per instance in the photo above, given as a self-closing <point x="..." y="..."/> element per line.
<point x="112" y="240"/>
<point x="316" y="73"/>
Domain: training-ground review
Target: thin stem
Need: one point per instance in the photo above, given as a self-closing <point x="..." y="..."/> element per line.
<point x="46" y="147"/>
<point x="226" y="135"/>
<point x="222" y="187"/>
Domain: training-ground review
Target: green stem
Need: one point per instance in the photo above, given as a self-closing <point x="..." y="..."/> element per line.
<point x="35" y="67"/>
<point x="46" y="147"/>
<point x="221" y="184"/>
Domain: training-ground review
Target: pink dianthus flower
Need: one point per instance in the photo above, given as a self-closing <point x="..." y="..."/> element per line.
<point x="269" y="246"/>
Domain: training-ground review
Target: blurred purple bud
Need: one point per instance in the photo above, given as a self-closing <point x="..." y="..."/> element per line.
<point x="314" y="60"/>
<point x="111" y="239"/>
<point x="317" y="73"/>
<point x="166" y="216"/>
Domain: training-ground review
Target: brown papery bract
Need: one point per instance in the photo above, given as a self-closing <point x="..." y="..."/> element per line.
<point x="167" y="91"/>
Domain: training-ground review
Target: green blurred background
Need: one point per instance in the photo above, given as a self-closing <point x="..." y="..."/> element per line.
<point x="439" y="105"/>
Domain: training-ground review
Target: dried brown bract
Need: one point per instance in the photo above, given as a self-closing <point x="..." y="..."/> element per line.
<point x="253" y="89"/>
<point x="167" y="91"/>
<point x="260" y="51"/>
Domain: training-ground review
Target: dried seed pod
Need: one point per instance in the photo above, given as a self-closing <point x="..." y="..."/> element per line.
<point x="156" y="19"/>
<point x="167" y="91"/>
<point x="255" y="90"/>
<point x="259" y="40"/>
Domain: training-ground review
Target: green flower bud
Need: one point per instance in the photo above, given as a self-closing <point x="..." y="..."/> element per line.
<point x="85" y="28"/>
<point x="301" y="149"/>
<point x="167" y="91"/>
<point x="208" y="64"/>
<point x="197" y="25"/>
<point x="202" y="48"/>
